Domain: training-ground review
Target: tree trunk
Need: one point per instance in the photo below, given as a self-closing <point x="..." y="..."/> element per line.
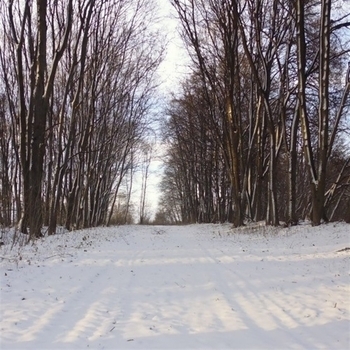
<point x="318" y="210"/>
<point x="40" y="105"/>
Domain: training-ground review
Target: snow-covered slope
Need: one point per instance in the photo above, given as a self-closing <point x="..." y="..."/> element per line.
<point x="183" y="287"/>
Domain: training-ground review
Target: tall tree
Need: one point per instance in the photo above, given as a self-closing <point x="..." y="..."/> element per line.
<point x="34" y="112"/>
<point x="317" y="159"/>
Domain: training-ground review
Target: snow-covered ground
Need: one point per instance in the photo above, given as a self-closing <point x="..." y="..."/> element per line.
<point x="183" y="287"/>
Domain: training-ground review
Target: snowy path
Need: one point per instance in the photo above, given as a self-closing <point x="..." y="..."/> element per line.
<point x="190" y="287"/>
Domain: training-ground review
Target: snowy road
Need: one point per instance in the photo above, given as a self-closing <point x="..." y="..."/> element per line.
<point x="186" y="287"/>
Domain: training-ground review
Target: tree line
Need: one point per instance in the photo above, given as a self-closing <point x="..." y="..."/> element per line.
<point x="259" y="131"/>
<point x="77" y="85"/>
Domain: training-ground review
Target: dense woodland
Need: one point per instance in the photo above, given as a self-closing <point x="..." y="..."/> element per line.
<point x="258" y="131"/>
<point x="77" y="84"/>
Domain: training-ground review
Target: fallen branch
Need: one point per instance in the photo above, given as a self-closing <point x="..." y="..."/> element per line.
<point x="60" y="255"/>
<point x="343" y="250"/>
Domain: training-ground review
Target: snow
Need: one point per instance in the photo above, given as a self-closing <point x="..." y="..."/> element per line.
<point x="179" y="287"/>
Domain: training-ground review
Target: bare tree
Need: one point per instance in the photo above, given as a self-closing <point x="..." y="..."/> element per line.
<point x="317" y="160"/>
<point x="146" y="154"/>
<point x="35" y="71"/>
<point x="211" y="33"/>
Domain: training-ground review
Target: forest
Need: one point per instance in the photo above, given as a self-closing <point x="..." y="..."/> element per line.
<point x="77" y="84"/>
<point x="259" y="130"/>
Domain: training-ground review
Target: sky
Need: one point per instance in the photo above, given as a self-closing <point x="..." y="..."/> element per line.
<point x="171" y="71"/>
<point x="176" y="62"/>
